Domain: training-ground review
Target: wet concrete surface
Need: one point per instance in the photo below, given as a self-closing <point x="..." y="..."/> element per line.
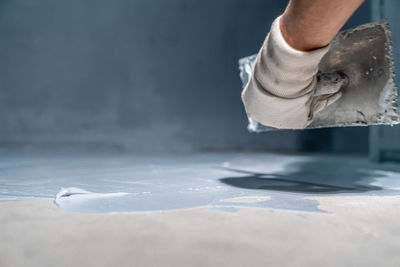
<point x="125" y="183"/>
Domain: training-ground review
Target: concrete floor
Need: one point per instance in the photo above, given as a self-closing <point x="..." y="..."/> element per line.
<point x="198" y="210"/>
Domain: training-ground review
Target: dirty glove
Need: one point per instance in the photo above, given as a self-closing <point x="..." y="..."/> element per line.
<point x="284" y="90"/>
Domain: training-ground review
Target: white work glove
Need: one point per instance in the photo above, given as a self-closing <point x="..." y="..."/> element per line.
<point x="284" y="91"/>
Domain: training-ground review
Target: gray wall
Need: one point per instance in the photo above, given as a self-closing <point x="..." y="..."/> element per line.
<point x="139" y="75"/>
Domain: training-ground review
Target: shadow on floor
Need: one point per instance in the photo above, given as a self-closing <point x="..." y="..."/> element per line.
<point x="312" y="177"/>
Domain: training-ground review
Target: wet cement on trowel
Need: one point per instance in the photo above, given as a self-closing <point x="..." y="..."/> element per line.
<point x="223" y="181"/>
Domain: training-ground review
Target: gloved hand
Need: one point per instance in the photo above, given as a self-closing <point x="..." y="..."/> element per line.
<point x="284" y="90"/>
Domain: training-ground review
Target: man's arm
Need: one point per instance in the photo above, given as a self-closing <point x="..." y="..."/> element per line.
<point x="311" y="24"/>
<point x="282" y="89"/>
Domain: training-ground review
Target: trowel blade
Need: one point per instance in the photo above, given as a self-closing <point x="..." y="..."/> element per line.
<point x="364" y="55"/>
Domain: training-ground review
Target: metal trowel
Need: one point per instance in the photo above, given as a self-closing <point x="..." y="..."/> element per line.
<point x="364" y="56"/>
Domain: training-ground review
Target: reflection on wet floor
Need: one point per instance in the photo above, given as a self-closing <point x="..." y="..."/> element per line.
<point x="223" y="181"/>
<point x="306" y="180"/>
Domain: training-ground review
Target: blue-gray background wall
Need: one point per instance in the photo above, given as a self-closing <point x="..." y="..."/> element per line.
<point x="141" y="75"/>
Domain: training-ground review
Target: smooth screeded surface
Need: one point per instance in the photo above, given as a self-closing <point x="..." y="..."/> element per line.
<point x="124" y="183"/>
<point x="357" y="231"/>
<point x="229" y="210"/>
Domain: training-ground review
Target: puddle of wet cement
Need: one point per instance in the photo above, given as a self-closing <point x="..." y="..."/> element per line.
<point x="226" y="181"/>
